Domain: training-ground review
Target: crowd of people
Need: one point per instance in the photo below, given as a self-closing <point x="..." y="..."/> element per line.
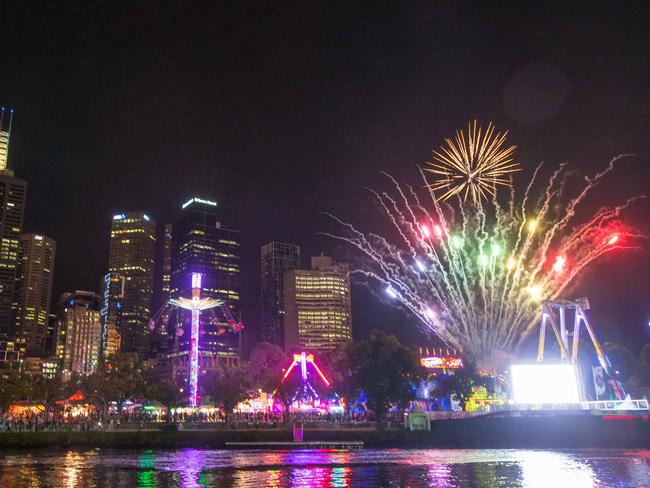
<point x="109" y="419"/>
<point x="49" y="421"/>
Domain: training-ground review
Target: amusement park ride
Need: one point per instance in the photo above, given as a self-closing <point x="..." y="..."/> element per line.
<point x="557" y="311"/>
<point x="305" y="394"/>
<point x="196" y="304"/>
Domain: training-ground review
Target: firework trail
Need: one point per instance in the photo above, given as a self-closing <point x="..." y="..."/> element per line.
<point x="475" y="275"/>
<point x="472" y="165"/>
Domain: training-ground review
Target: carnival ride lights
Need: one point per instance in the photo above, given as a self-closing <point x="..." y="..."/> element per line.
<point x="306" y="395"/>
<point x="553" y="383"/>
<point x="303" y="359"/>
<point x="196" y="305"/>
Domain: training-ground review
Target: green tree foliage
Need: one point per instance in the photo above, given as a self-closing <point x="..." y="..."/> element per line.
<point x="14" y="386"/>
<point x="166" y="392"/>
<point x="119" y="378"/>
<point x="384" y="370"/>
<point x="460" y="383"/>
<point x="228" y="386"/>
<point x="20" y="386"/>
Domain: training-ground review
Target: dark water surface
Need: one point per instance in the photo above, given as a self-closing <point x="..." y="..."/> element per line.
<point x="320" y="468"/>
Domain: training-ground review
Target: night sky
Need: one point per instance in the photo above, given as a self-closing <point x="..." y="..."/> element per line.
<point x="281" y="112"/>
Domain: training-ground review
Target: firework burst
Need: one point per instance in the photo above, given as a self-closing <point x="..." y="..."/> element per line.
<point x="475" y="276"/>
<point x="472" y="165"/>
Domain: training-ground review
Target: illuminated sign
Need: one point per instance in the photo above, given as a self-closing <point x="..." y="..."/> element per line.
<point x="146" y="217"/>
<point x="38" y="238"/>
<point x="199" y="200"/>
<point x="118" y="217"/>
<point x="433" y="362"/>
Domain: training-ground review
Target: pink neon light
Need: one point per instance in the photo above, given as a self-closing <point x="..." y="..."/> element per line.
<point x="320" y="373"/>
<point x="304" y="358"/>
<point x="194" y="357"/>
<point x="194" y="340"/>
<point x="288" y="371"/>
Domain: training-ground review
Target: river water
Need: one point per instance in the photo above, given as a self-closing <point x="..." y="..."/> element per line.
<point x="320" y="468"/>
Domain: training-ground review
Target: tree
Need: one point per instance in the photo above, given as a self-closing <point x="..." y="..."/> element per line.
<point x="460" y="383"/>
<point x="14" y="386"/>
<point x="644" y="366"/>
<point x="266" y="364"/>
<point x="124" y="372"/>
<point x="163" y="391"/>
<point x="384" y="370"/>
<point x="337" y="367"/>
<point x="624" y="363"/>
<point x="286" y="390"/>
<point x="229" y="386"/>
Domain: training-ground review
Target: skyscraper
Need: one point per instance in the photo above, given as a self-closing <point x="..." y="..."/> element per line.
<point x="166" y="263"/>
<point x="133" y="238"/>
<point x="34" y="291"/>
<point x="12" y="206"/>
<point x="201" y="244"/>
<point x="78" y="332"/>
<point x="6" y="119"/>
<point x="277" y="258"/>
<point x="112" y="298"/>
<point x="317" y="307"/>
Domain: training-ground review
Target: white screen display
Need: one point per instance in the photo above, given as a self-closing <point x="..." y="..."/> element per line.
<point x="544" y="383"/>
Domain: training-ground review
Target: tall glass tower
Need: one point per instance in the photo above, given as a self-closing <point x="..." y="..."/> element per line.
<point x="34" y="291"/>
<point x="202" y="245"/>
<point x="6" y="118"/>
<point x="133" y="239"/>
<point x="12" y="208"/>
<point x="277" y="258"/>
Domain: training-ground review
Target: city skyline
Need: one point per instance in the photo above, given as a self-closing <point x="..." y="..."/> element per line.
<point x="275" y="152"/>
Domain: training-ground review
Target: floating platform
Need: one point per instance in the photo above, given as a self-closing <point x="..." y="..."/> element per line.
<point x="295" y="445"/>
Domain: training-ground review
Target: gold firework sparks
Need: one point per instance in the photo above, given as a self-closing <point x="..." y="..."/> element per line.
<point x="472" y="165"/>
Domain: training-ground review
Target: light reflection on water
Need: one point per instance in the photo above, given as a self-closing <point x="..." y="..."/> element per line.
<point x="192" y="468"/>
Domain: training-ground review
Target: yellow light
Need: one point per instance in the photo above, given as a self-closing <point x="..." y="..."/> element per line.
<point x="532" y="225"/>
<point x="535" y="292"/>
<point x="511" y="263"/>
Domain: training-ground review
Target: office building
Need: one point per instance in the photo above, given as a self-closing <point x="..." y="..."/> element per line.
<point x="12" y="206"/>
<point x="34" y="291"/>
<point x="317" y="308"/>
<point x="112" y="298"/>
<point x="277" y="258"/>
<point x="78" y="332"/>
<point x="166" y="263"/>
<point x="202" y="244"/>
<point x="133" y="239"/>
<point x="6" y="119"/>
